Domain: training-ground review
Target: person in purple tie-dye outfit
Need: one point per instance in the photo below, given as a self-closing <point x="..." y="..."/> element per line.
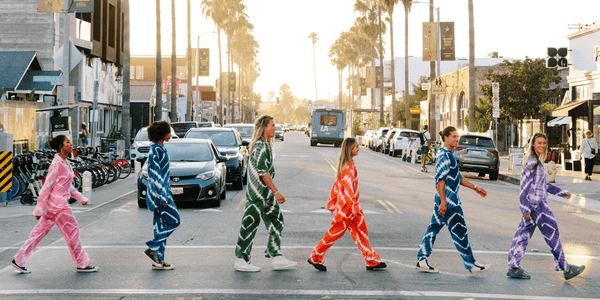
<point x="536" y="213"/>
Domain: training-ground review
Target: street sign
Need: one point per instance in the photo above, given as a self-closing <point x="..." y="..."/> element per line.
<point x="439" y="86"/>
<point x="496" y="112"/>
<point x="496" y="88"/>
<point x="416" y="110"/>
<point x="495" y="101"/>
<point x="54" y="80"/>
<point x="438" y="105"/>
<point x="425" y="86"/>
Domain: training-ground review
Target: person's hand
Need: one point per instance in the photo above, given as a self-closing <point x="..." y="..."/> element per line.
<point x="280" y="198"/>
<point x="442" y="209"/>
<point x="568" y="196"/>
<point x="526" y="217"/>
<point x="480" y="191"/>
<point x="37" y="217"/>
<point x="85" y="203"/>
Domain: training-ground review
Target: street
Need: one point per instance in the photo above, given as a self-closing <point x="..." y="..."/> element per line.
<point x="397" y="200"/>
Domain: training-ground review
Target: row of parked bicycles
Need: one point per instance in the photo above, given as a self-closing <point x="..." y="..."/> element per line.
<point x="31" y="168"/>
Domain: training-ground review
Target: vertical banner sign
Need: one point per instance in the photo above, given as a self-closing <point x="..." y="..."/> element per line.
<point x="232" y="81"/>
<point x="53" y="6"/>
<point x="369" y="77"/>
<point x="6" y="168"/>
<point x="429" y="41"/>
<point x="363" y="87"/>
<point x="204" y="62"/>
<point x="378" y="77"/>
<point x="447" y="51"/>
<point x="496" y="99"/>
<point x="246" y="92"/>
<point x="354" y="86"/>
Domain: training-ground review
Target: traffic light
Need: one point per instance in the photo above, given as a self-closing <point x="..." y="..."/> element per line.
<point x="557" y="57"/>
<point x="232" y="81"/>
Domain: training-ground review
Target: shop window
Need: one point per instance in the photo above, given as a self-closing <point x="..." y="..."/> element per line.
<point x="139" y="72"/>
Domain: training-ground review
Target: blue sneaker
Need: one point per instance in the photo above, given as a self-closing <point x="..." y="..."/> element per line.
<point x="518" y="273"/>
<point x="573" y="271"/>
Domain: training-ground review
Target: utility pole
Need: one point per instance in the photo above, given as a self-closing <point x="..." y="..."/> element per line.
<point x="432" y="122"/>
<point x="381" y="89"/>
<point x="66" y="67"/>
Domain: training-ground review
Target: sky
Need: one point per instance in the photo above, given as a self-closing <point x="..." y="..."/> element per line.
<point x="513" y="28"/>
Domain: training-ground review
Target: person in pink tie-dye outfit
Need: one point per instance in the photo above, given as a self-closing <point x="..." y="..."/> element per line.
<point x="53" y="208"/>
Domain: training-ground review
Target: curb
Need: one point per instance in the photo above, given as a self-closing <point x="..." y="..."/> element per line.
<point x="509" y="178"/>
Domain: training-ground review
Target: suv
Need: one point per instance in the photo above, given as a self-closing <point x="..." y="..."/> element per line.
<point x="279" y="133"/>
<point x="367" y="138"/>
<point x="378" y="138"/>
<point x="400" y="141"/>
<point x="141" y="145"/>
<point x="385" y="145"/>
<point x="477" y="153"/>
<point x="182" y="127"/>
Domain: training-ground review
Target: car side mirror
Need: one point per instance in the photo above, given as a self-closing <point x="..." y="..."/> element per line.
<point x="245" y="143"/>
<point x="223" y="158"/>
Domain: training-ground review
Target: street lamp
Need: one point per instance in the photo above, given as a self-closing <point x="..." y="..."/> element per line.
<point x="439" y="35"/>
<point x="198" y="74"/>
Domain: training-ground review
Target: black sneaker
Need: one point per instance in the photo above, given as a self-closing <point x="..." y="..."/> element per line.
<point x="319" y="267"/>
<point x="381" y="265"/>
<point x="23" y="270"/>
<point x="88" y="269"/>
<point x="153" y="257"/>
<point x="163" y="266"/>
<point x="573" y="271"/>
<point x="517" y="273"/>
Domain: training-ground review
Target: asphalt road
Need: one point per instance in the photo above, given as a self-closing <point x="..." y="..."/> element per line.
<point x="397" y="200"/>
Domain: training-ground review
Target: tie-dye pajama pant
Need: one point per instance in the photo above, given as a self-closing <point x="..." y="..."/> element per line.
<point x="273" y="219"/>
<point x="455" y="220"/>
<point x="545" y="221"/>
<point x="360" y="235"/>
<point x="165" y="223"/>
<point x="68" y="226"/>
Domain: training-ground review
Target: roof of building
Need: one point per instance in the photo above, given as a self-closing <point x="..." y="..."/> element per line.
<point x="142" y="90"/>
<point x="14" y="65"/>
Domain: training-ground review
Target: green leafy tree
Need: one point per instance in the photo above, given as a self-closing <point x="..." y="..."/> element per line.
<point x="523" y="88"/>
<point x="414" y="101"/>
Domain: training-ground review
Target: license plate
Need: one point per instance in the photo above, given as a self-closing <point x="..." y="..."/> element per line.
<point x="478" y="153"/>
<point x="177" y="190"/>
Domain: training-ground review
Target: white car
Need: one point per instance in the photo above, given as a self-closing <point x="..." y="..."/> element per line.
<point x="368" y="138"/>
<point x="141" y="145"/>
<point x="378" y="138"/>
<point x="400" y="141"/>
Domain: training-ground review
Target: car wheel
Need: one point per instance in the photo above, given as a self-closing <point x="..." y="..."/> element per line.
<point x="238" y="185"/>
<point x="216" y="203"/>
<point x="313" y="144"/>
<point x="246" y="177"/>
<point x="223" y="194"/>
<point x="282" y="139"/>
<point x="494" y="175"/>
<point x="481" y="174"/>
<point x="142" y="203"/>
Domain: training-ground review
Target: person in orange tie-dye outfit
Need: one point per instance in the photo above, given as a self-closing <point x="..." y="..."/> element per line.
<point x="347" y="214"/>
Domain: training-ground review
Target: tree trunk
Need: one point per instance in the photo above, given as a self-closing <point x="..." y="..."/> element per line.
<point x="381" y="89"/>
<point x="173" y="112"/>
<point x="472" y="97"/>
<point x="158" y="107"/>
<point x="220" y="108"/>
<point x="406" y="96"/>
<point x="229" y="113"/>
<point x="393" y="110"/>
<point x="315" y="68"/>
<point x="432" y="122"/>
<point x="189" y="111"/>
<point x="126" y="115"/>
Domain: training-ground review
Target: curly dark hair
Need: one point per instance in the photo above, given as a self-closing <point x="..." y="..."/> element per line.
<point x="57" y="142"/>
<point x="158" y="130"/>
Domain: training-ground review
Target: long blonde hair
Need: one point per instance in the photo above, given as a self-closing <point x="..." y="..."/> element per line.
<point x="531" y="150"/>
<point x="345" y="155"/>
<point x="259" y="129"/>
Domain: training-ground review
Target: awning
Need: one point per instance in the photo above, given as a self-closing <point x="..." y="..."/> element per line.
<point x="57" y="107"/>
<point x="559" y="121"/>
<point x="563" y="111"/>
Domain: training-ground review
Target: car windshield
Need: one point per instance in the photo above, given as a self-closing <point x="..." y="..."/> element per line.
<point x="278" y="128"/>
<point x="205" y="125"/>
<point x="476" y="141"/>
<point x="220" y="138"/>
<point x="409" y="134"/>
<point x="182" y="126"/>
<point x="190" y="152"/>
<point x="384" y="132"/>
<point x="142" y="135"/>
<point x="245" y="131"/>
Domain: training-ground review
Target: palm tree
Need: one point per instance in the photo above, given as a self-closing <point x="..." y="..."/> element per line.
<point x="382" y="89"/>
<point x="173" y="112"/>
<point x="407" y="6"/>
<point x="216" y="11"/>
<point x="158" y="107"/>
<point x="188" y="113"/>
<point x="126" y="125"/>
<point x="390" y="4"/>
<point x="314" y="37"/>
<point x="471" y="69"/>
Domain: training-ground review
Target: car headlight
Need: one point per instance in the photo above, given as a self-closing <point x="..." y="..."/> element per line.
<point x="207" y="175"/>
<point x="231" y="155"/>
<point x="145" y="175"/>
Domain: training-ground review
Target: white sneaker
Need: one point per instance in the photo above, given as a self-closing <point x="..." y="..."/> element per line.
<point x="423" y="266"/>
<point x="479" y="268"/>
<point x="243" y="266"/>
<point x="282" y="263"/>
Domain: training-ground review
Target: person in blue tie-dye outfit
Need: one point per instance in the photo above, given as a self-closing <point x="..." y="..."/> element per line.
<point x="159" y="198"/>
<point x="447" y="208"/>
<point x="536" y="213"/>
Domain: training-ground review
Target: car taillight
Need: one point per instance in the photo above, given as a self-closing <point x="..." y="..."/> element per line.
<point x="461" y="148"/>
<point x="493" y="151"/>
<point x="389" y="139"/>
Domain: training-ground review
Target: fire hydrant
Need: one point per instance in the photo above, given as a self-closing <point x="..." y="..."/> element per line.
<point x="551" y="168"/>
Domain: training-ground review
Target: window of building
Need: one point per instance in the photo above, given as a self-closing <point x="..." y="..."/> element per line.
<point x="139" y="72"/>
<point x="131" y="72"/>
<point x="111" y="26"/>
<point x="181" y="72"/>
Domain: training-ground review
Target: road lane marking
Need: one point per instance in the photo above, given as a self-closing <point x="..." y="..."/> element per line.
<point x="331" y="164"/>
<point x="281" y="292"/>
<point x="240" y="204"/>
<point x="416" y="170"/>
<point x="393" y="206"/>
<point x="385" y="206"/>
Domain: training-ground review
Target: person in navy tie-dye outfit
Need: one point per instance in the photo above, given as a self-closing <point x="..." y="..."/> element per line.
<point x="159" y="198"/>
<point x="536" y="213"/>
<point x="447" y="208"/>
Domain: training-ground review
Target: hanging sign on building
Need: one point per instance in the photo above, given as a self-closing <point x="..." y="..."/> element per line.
<point x="447" y="51"/>
<point x="429" y="41"/>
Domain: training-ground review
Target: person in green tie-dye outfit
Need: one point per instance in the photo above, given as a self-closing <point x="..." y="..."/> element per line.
<point x="261" y="194"/>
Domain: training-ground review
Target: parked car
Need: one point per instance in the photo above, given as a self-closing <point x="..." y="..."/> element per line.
<point x="181" y="128"/>
<point x="477" y="153"/>
<point x="245" y="130"/>
<point x="229" y="143"/>
<point x="141" y="145"/>
<point x="400" y="141"/>
<point x="413" y="149"/>
<point x="385" y="145"/>
<point x="367" y="138"/>
<point x="279" y="133"/>
<point x="208" y="124"/>
<point x="378" y="138"/>
<point x="198" y="172"/>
